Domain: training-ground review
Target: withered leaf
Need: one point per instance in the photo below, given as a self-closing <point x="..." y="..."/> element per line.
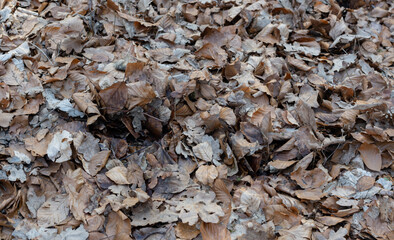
<point x="371" y="156"/>
<point x="114" y="97"/>
<point x="140" y="93"/>
<point x="118" y="174"/>
<point x="207" y="174"/>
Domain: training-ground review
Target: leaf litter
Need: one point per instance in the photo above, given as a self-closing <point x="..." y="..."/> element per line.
<point x="196" y="119"/>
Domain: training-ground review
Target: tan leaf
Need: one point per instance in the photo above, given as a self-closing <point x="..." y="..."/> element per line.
<point x="365" y="183"/>
<point x="38" y="148"/>
<point x="227" y="114"/>
<point x="5" y="119"/>
<point x="212" y="52"/>
<point x="312" y="194"/>
<point x="96" y="163"/>
<point x="53" y="211"/>
<point x="214" y="231"/>
<point x="84" y="102"/>
<point x="329" y="221"/>
<point x="118" y="175"/>
<point x="79" y="193"/>
<point x="280" y="165"/>
<point x="118" y="226"/>
<point x="300" y="232"/>
<point x="203" y="151"/>
<point x="224" y="196"/>
<point x="242" y="147"/>
<point x="310" y="179"/>
<point x="185" y="231"/>
<point x="207" y="174"/>
<point x="371" y="156"/>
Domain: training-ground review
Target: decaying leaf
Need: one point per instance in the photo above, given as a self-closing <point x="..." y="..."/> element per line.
<point x="200" y="206"/>
<point x="211" y="120"/>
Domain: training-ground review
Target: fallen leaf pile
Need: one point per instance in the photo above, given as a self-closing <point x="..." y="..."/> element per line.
<point x="212" y="120"/>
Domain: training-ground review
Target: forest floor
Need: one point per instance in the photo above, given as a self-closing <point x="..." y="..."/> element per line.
<point x="211" y="119"/>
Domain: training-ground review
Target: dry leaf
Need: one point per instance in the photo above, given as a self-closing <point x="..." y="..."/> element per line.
<point x="96" y="163"/>
<point x="114" y="97"/>
<point x="185" y="231"/>
<point x="301" y="65"/>
<point x="59" y="149"/>
<point x="118" y="174"/>
<point x="203" y="151"/>
<point x="140" y="93"/>
<point x="207" y="174"/>
<point x="365" y="183"/>
<point x="371" y="156"/>
<point x="53" y="211"/>
<point x="313" y="194"/>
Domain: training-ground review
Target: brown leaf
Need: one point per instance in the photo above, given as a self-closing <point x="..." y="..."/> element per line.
<point x="313" y="194"/>
<point x="118" y="175"/>
<point x="371" y="156"/>
<point x="310" y="179"/>
<point x="214" y="231"/>
<point x="96" y="163"/>
<point x="280" y="165"/>
<point x="118" y="226"/>
<point x="140" y="93"/>
<point x="185" y="231"/>
<point x="224" y="196"/>
<point x="85" y="103"/>
<point x="133" y="68"/>
<point x="299" y="64"/>
<point x="365" y="183"/>
<point x="212" y="52"/>
<point x="207" y="174"/>
<point x="114" y="97"/>
<point x="329" y="221"/>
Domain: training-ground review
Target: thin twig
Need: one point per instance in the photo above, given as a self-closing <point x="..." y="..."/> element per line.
<point x="41" y="51"/>
<point x="153" y="117"/>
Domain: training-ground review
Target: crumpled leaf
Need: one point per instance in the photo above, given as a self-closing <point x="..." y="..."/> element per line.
<point x="242" y="147"/>
<point x="79" y="193"/>
<point x="59" y="149"/>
